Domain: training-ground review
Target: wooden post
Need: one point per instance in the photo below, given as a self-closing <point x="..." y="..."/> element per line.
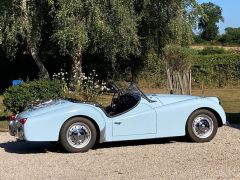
<point x="170" y="84"/>
<point x="180" y="82"/>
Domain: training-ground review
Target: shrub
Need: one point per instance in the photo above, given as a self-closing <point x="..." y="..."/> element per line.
<point x="178" y="64"/>
<point x="17" y="98"/>
<point x="178" y="58"/>
<point x="216" y="70"/>
<point x="210" y="50"/>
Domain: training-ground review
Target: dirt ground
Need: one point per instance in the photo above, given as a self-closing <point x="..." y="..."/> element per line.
<point x="172" y="158"/>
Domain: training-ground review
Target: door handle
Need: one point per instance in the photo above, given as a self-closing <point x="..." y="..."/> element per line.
<point x="118" y="123"/>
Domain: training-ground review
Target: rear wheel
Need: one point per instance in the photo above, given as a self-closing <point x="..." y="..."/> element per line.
<point x="202" y="126"/>
<point x="78" y="135"/>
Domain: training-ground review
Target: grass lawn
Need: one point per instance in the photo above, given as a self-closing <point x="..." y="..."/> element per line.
<point x="230" y="100"/>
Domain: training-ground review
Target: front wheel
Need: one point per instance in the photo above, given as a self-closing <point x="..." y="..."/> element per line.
<point x="201" y="126"/>
<point x="78" y="135"/>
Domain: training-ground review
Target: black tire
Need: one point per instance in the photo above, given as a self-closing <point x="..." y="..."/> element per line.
<point x="87" y="127"/>
<point x="201" y="126"/>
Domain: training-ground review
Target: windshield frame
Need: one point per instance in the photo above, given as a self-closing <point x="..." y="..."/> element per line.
<point x="132" y="88"/>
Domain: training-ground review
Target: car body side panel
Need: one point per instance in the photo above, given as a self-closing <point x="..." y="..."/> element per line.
<point x="46" y="127"/>
<point x="138" y="121"/>
<point x="172" y="117"/>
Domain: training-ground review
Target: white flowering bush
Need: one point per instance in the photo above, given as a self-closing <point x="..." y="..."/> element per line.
<point x="82" y="87"/>
<point x="90" y="87"/>
<point x="62" y="76"/>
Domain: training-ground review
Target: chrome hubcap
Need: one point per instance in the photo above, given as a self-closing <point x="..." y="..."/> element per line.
<point x="202" y="126"/>
<point x="78" y="135"/>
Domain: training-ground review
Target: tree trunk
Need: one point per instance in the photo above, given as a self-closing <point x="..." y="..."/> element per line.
<point x="43" y="73"/>
<point x="77" y="65"/>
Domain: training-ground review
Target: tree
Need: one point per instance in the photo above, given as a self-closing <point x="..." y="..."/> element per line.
<point x="166" y="22"/>
<point x="20" y="28"/>
<point x="231" y="36"/>
<point x="105" y="27"/>
<point x="208" y="23"/>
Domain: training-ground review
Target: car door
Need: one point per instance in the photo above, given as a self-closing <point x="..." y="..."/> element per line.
<point x="140" y="120"/>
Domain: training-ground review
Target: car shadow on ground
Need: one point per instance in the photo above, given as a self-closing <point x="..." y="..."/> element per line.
<point x="20" y="147"/>
<point x="236" y="126"/>
<point x="141" y="142"/>
<point x="234" y="120"/>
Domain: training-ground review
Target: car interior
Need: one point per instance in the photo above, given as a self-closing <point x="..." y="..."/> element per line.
<point x="122" y="103"/>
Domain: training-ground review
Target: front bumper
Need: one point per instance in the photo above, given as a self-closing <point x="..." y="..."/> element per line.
<point x="16" y="129"/>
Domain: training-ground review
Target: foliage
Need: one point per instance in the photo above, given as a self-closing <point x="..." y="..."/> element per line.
<point x="119" y="32"/>
<point x="3" y="112"/>
<point x="85" y="88"/>
<point x="216" y="70"/>
<point x="231" y="36"/>
<point x="152" y="74"/>
<point x="166" y="22"/>
<point x="178" y="58"/>
<point x="208" y="23"/>
<point x="9" y="18"/>
<point x="177" y="62"/>
<point x="108" y="28"/>
<point x="21" y="25"/>
<point x="16" y="98"/>
<point x="212" y="50"/>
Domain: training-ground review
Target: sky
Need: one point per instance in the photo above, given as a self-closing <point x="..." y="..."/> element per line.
<point x="231" y="13"/>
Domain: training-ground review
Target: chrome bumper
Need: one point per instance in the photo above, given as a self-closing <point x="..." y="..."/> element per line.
<point x="16" y="129"/>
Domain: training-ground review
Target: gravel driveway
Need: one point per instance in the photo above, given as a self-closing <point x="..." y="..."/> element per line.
<point x="153" y="159"/>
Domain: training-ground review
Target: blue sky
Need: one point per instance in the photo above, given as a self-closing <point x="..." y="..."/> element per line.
<point x="231" y="12"/>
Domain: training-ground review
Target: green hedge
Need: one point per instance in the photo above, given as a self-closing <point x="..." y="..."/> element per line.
<point x="17" y="98"/>
<point x="212" y="50"/>
<point x="210" y="60"/>
<point x="216" y="70"/>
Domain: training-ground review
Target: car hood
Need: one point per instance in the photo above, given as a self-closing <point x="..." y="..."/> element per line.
<point x="170" y="98"/>
<point x="45" y="107"/>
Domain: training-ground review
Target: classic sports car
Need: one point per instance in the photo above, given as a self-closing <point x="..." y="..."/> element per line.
<point x="131" y="115"/>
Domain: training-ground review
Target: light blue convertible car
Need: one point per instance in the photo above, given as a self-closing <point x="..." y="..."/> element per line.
<point x="131" y="115"/>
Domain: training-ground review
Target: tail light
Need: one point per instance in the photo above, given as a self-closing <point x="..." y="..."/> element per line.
<point x="23" y="120"/>
<point x="12" y="118"/>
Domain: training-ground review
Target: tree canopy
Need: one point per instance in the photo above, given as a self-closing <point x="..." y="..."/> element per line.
<point x="115" y="30"/>
<point x="208" y="23"/>
<point x="21" y="23"/>
<point x="231" y="36"/>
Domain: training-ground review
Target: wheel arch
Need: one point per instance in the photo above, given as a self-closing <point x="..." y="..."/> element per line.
<point x="90" y="119"/>
<point x="215" y="113"/>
